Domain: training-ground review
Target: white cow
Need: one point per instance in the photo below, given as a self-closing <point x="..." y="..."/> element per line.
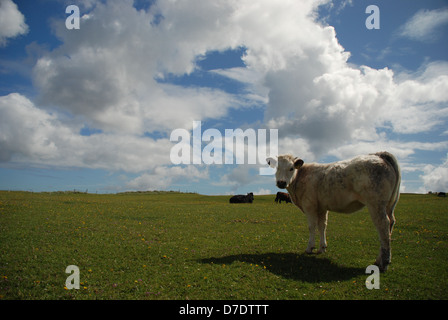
<point x="346" y="186"/>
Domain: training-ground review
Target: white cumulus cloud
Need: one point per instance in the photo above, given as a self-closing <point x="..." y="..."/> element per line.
<point x="423" y="26"/>
<point x="29" y="134"/>
<point x="162" y="177"/>
<point x="435" y="178"/>
<point x="12" y="21"/>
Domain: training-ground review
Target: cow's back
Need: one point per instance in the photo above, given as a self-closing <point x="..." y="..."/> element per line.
<point x="344" y="186"/>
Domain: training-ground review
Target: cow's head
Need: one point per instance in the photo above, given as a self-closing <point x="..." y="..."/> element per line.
<point x="287" y="167"/>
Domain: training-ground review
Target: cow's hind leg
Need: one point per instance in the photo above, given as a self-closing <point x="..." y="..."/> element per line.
<point x="383" y="225"/>
<point x="322" y="226"/>
<point x="392" y="220"/>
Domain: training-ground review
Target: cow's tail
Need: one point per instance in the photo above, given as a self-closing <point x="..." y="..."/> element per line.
<point x="392" y="161"/>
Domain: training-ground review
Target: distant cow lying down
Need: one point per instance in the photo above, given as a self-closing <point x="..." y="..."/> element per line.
<point x="240" y="198"/>
<point x="282" y="196"/>
<point x="346" y="186"/>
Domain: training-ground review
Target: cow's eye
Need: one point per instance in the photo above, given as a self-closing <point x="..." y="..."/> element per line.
<point x="291" y="169"/>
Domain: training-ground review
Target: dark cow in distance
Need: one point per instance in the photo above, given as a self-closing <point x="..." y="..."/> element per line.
<point x="282" y="196"/>
<point x="241" y="198"/>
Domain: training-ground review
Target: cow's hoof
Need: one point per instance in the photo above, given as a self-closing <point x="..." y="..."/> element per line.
<point x="309" y="251"/>
<point x="322" y="250"/>
<point x="382" y="267"/>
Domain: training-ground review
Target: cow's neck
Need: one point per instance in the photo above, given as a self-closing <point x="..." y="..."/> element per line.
<point x="294" y="191"/>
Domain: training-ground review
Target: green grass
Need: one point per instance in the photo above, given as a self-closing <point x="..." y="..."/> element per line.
<point x="190" y="246"/>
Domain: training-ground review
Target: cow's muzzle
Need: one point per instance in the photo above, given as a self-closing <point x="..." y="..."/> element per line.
<point x="281" y="184"/>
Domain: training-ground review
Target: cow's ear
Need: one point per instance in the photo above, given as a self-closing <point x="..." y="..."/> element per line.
<point x="298" y="163"/>
<point x="272" y="161"/>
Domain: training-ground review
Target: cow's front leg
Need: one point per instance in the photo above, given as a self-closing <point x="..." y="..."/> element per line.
<point x="312" y="224"/>
<point x="322" y="225"/>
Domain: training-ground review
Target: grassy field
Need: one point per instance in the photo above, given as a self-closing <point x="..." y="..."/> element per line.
<point x="190" y="246"/>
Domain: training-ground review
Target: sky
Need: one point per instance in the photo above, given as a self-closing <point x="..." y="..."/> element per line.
<point x="93" y="106"/>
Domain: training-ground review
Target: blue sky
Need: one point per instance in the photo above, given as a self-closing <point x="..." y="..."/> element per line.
<point x="93" y="108"/>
